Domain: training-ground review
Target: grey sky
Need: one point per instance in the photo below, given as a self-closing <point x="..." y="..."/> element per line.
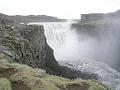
<point x="59" y="8"/>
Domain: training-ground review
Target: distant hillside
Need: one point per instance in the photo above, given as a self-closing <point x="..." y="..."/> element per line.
<point x="31" y="18"/>
<point x="100" y="16"/>
<point x="4" y="19"/>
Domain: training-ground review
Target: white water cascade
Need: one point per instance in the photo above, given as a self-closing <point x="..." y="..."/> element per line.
<point x="68" y="52"/>
<point x="62" y="40"/>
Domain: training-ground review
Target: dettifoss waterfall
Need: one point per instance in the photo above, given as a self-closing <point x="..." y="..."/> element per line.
<point x="79" y="52"/>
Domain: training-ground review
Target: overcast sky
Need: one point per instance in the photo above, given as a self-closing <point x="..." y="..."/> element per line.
<point x="58" y="8"/>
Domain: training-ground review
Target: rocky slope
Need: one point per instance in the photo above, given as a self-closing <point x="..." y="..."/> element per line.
<point x="14" y="76"/>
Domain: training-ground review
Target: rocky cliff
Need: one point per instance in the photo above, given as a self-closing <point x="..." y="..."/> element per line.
<point x="99" y="16"/>
<point x="26" y="44"/>
<point x="104" y="29"/>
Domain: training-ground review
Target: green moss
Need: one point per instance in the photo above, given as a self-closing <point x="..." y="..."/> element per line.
<point x="94" y="84"/>
<point x="62" y="82"/>
<point x="5" y="84"/>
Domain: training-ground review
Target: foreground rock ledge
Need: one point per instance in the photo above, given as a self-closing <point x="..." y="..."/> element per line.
<point x="14" y="76"/>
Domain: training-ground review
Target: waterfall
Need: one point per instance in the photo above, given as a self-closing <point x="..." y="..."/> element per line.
<point x="81" y="51"/>
<point x="101" y="45"/>
<point x="62" y="40"/>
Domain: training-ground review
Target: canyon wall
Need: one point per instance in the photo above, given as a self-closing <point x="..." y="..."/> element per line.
<point x="101" y="34"/>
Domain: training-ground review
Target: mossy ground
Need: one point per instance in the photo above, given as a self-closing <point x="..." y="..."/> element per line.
<point x="5" y="84"/>
<point x="14" y="76"/>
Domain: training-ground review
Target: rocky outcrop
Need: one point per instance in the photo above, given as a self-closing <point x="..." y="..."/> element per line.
<point x="27" y="45"/>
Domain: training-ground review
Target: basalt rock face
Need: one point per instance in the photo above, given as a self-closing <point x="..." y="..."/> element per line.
<point x="99" y="16"/>
<point x="27" y="44"/>
<point x="91" y="24"/>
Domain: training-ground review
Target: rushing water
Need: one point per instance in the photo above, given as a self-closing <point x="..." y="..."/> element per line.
<point x="78" y="54"/>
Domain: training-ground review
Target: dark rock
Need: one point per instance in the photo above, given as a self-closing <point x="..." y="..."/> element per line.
<point x="28" y="43"/>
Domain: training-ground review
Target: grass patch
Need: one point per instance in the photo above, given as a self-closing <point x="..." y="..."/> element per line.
<point x="5" y="84"/>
